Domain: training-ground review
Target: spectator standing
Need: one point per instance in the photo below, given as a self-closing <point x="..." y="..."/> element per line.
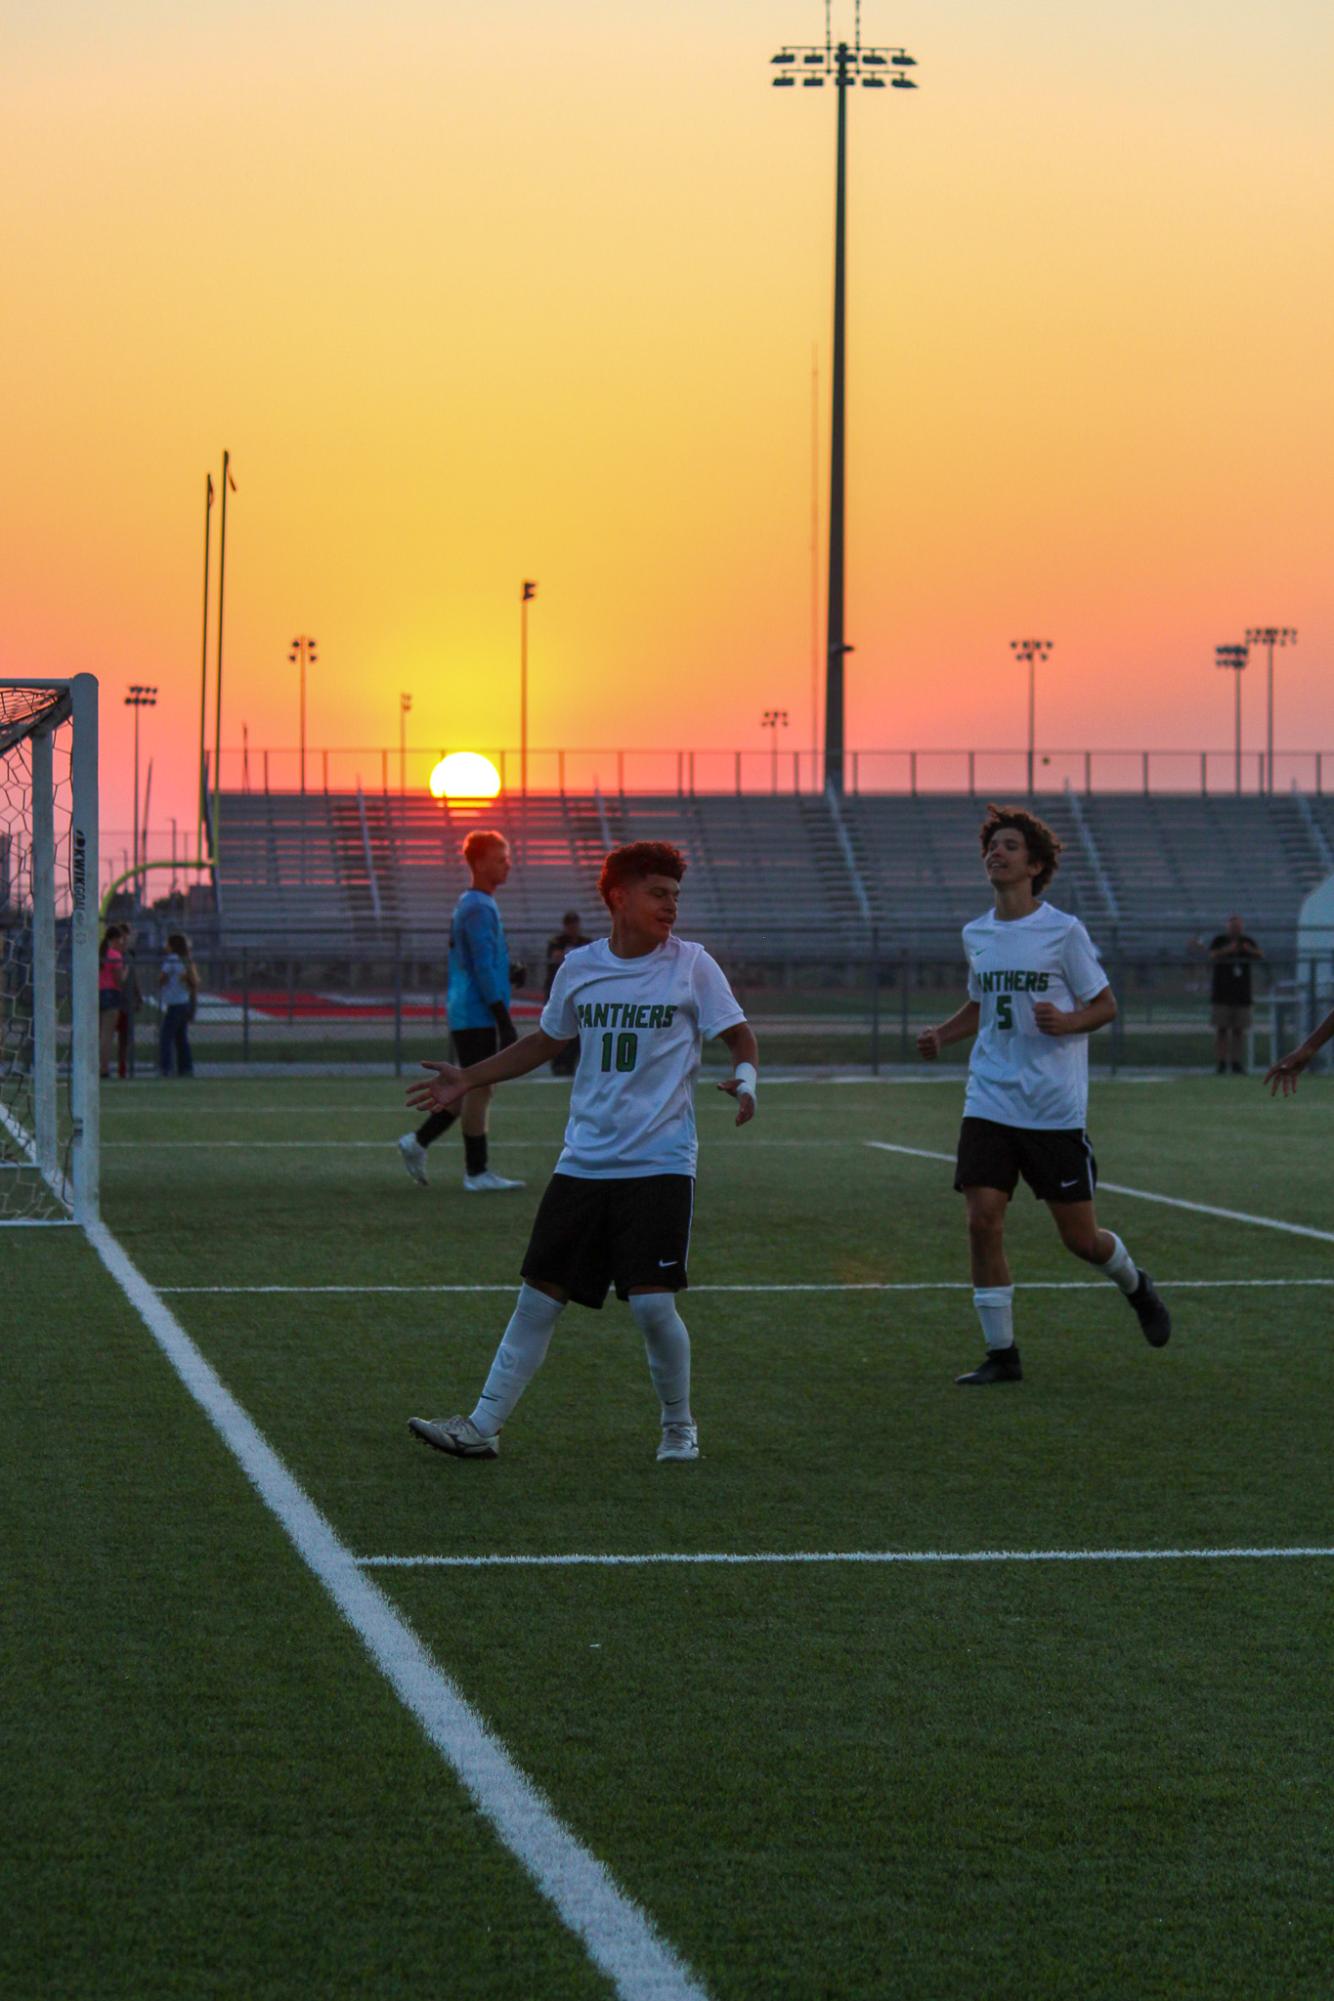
<point x="130" y="999"/>
<point x="110" y="970"/>
<point x="1233" y="953"/>
<point x="178" y="989"/>
<point x="568" y="939"/>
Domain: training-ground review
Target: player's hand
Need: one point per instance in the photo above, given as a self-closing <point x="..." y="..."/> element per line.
<point x="440" y="1092"/>
<point x="1049" y="1018"/>
<point x="745" y="1104"/>
<point x="1282" y="1076"/>
<point x="928" y="1045"/>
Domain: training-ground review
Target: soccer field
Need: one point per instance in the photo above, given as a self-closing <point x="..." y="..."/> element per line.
<point x="1012" y="1766"/>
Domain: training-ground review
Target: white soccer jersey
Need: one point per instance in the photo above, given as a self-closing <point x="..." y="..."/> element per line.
<point x="1016" y="1075"/>
<point x="641" y="1024"/>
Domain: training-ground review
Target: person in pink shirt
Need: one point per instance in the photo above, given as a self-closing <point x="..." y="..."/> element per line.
<point x="110" y="973"/>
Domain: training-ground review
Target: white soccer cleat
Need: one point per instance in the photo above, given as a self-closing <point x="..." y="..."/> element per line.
<point x="458" y="1436"/>
<point x="414" y="1157"/>
<point x="488" y="1183"/>
<point x="679" y="1441"/>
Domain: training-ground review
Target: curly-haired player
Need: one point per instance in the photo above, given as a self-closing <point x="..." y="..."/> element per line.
<point x="1036" y="992"/>
<point x="617" y="1210"/>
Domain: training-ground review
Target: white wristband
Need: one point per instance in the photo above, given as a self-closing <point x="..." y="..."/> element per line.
<point x="746" y="1079"/>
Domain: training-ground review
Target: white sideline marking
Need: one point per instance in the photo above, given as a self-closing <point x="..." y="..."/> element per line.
<point x="1145" y="1195"/>
<point x="619" y="1937"/>
<point x="836" y="1556"/>
<point x="858" y="1285"/>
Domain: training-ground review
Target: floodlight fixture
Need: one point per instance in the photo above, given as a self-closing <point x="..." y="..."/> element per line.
<point x="1235" y="658"/>
<point x="1270" y="636"/>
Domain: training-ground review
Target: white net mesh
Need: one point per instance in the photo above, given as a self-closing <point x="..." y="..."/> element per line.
<point x="36" y="1001"/>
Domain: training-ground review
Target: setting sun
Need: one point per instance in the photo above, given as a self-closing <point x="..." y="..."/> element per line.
<point x="465" y="774"/>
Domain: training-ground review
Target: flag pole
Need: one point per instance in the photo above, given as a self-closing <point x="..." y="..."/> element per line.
<point x="203" y="661"/>
<point x="227" y="481"/>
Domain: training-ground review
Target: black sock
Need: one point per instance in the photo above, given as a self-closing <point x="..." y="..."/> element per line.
<point x="474" y="1153"/>
<point x="431" y="1129"/>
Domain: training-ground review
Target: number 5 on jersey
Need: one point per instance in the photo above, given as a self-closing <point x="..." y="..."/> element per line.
<point x="1004" y="1013"/>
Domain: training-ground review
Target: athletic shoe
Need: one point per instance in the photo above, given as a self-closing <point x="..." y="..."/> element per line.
<point x="488" y="1183"/>
<point x="414" y="1157"/>
<point x="1153" y="1316"/>
<point x="456" y="1435"/>
<point x="679" y="1441"/>
<point x="1001" y="1366"/>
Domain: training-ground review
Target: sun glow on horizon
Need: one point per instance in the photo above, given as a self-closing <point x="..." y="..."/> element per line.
<point x="465" y="774"/>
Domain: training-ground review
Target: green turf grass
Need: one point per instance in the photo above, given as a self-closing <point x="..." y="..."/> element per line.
<point x="1100" y="1780"/>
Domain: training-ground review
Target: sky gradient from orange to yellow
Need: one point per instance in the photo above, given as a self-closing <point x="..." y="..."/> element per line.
<point x="474" y="294"/>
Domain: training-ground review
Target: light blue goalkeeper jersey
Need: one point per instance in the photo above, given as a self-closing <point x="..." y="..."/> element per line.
<point x="479" y="964"/>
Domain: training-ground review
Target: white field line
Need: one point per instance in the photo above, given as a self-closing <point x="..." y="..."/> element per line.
<point x="837" y="1556"/>
<point x="619" y="1937"/>
<point x="1144" y="1195"/>
<point x="860" y="1285"/>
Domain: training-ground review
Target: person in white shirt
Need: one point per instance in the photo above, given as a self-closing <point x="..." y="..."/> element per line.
<point x="1036" y="992"/>
<point x="618" y="1207"/>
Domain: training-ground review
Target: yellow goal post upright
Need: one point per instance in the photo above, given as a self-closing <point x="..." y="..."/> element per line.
<point x="48" y="951"/>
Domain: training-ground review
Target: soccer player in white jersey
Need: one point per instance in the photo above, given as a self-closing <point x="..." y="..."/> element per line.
<point x="1036" y="992"/>
<point x="617" y="1210"/>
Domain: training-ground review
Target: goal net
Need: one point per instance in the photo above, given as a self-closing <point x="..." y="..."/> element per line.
<point x="48" y="951"/>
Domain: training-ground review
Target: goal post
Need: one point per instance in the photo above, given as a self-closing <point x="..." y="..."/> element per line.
<point x="48" y="951"/>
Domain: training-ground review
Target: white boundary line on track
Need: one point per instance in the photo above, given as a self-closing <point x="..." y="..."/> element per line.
<point x="866" y="1285"/>
<point x="1142" y="1195"/>
<point x="617" y="1934"/>
<point x="573" y="1562"/>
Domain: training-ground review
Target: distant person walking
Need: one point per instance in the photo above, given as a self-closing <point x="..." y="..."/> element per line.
<point x="1234" y="954"/>
<point x="568" y="939"/>
<point x="110" y="968"/>
<point x="178" y="992"/>
<point x="478" y="1003"/>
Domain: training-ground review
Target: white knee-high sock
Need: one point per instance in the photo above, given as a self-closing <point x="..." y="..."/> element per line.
<point x="1120" y="1266"/>
<point x="667" y="1346"/>
<point x="995" y="1309"/>
<point x="521" y="1353"/>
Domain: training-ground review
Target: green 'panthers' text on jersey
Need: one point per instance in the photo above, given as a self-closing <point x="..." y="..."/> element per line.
<point x="1016" y="1075"/>
<point x="641" y="1025"/>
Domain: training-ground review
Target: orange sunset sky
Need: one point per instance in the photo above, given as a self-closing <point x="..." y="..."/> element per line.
<point x="479" y="293"/>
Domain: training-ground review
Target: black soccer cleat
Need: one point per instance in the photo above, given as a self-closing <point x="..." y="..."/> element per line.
<point x="1001" y="1366"/>
<point x="1154" y="1318"/>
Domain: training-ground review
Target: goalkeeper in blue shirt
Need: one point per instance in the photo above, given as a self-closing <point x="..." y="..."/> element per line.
<point x="479" y="1013"/>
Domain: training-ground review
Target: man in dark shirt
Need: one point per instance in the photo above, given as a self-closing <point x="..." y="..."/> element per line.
<point x="567" y="939"/>
<point x="1233" y="953"/>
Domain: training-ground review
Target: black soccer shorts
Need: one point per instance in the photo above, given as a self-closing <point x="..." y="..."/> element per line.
<point x="474" y="1045"/>
<point x="1058" y="1166"/>
<point x="589" y="1235"/>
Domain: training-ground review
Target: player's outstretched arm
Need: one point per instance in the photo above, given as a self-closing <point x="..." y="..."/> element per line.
<point x="1052" y="1020"/>
<point x="957" y="1029"/>
<point x="744" y="1051"/>
<point x="1282" y="1076"/>
<point x="448" y="1084"/>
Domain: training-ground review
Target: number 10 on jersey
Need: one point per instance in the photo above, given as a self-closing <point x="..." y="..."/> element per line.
<point x="624" y="1048"/>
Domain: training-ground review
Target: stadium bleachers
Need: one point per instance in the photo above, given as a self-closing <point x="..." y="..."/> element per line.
<point x="365" y="867"/>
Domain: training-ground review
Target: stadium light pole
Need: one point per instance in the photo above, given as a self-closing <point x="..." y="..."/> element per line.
<point x="1030" y="652"/>
<point x="1270" y="636"/>
<point x="773" y="720"/>
<point x="1234" y="658"/>
<point x="139" y="697"/>
<point x="845" y="65"/>
<point x="404" y="708"/>
<point x="303" y="653"/>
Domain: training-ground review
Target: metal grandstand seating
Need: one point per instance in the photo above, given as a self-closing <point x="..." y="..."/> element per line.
<point x="766" y="870"/>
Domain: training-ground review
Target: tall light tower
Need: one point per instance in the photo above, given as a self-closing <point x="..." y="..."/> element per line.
<point x="845" y="65"/>
<point x="139" y="697"/>
<point x="404" y="709"/>
<point x="303" y="654"/>
<point x="773" y="720"/>
<point x="1029" y="652"/>
<point x="1234" y="658"/>
<point x="1270" y="636"/>
<point x="526" y="596"/>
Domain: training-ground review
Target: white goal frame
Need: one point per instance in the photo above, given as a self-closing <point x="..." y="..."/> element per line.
<point x="78" y="1193"/>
